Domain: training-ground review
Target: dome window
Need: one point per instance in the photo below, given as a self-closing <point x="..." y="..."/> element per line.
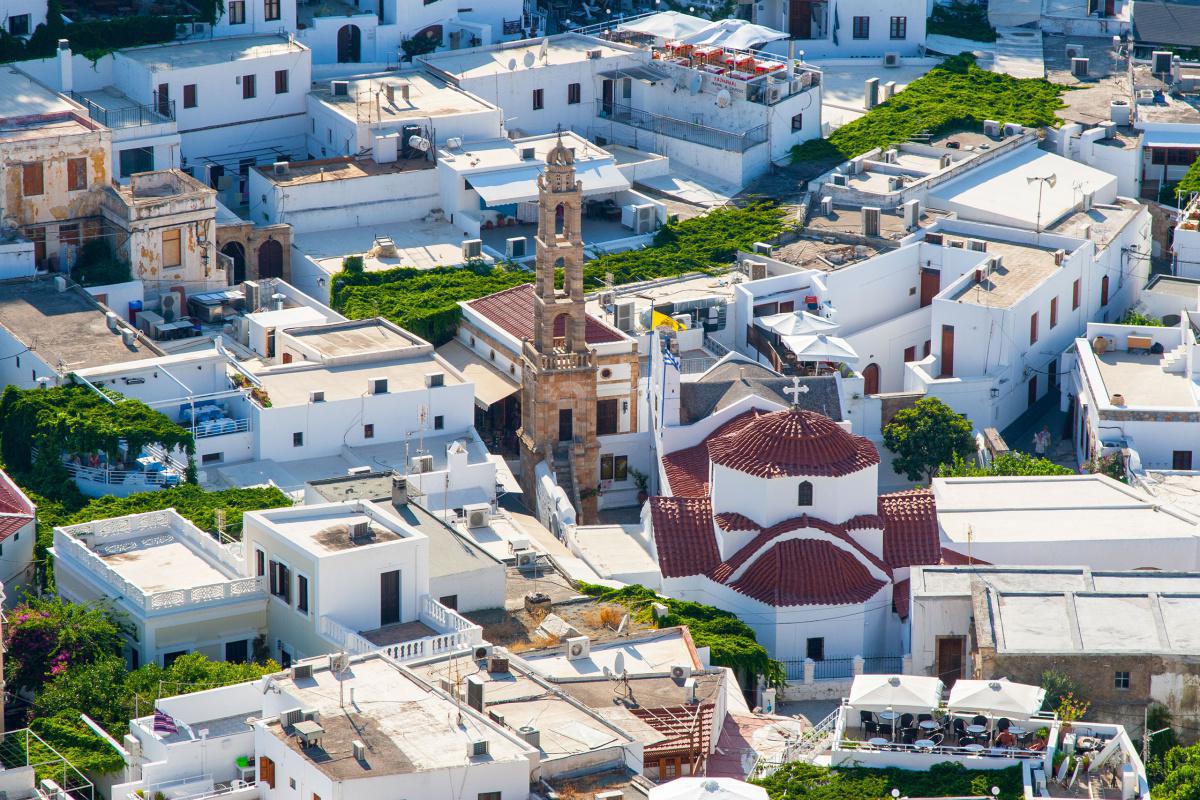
<point x="804" y="496"/>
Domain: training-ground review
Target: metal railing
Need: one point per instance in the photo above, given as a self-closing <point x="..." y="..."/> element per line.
<point x="682" y="129"/>
<point x="883" y="665"/>
<point x="812" y="742"/>
<point x="832" y="668"/>
<point x="129" y="116"/>
<point x="713" y="346"/>
<point x="122" y="477"/>
<point x="220" y="428"/>
<point x="697" y="364"/>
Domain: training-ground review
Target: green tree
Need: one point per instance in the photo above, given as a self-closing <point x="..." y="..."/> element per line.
<point x="1180" y="775"/>
<point x="1057" y="685"/>
<point x="47" y="638"/>
<point x="1011" y="463"/>
<point x="1132" y="317"/>
<point x="925" y="436"/>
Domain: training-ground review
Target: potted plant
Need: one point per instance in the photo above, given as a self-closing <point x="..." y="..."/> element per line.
<point x="642" y="481"/>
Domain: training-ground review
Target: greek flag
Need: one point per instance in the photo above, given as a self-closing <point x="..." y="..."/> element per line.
<point x="670" y="358"/>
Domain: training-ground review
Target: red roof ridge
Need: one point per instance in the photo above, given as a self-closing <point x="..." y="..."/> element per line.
<point x="511" y="310"/>
<point x="725" y="570"/>
<point x="807" y="572"/>
<point x="733" y="521"/>
<point x="795" y="442"/>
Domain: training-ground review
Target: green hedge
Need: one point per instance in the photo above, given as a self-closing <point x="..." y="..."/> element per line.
<point x="1190" y="182"/>
<point x="92" y="38"/>
<point x="964" y="20"/>
<point x="803" y="781"/>
<point x="425" y="301"/>
<point x="956" y="94"/>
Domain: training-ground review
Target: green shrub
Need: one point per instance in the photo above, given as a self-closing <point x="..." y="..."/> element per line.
<point x="964" y="20"/>
<point x="97" y="265"/>
<point x="93" y="38"/>
<point x="956" y="94"/>
<point x="1189" y="184"/>
<point x="1012" y="463"/>
<point x="1132" y="317"/>
<point x="800" y="780"/>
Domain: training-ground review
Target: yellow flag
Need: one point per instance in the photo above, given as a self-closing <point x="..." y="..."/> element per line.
<point x="658" y="318"/>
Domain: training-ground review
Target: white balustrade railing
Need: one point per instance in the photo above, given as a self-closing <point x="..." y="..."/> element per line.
<point x="456" y="632"/>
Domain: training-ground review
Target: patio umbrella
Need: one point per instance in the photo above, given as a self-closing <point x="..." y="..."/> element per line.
<point x="666" y="25"/>
<point x="900" y="693"/>
<point x="707" y="789"/>
<point x="737" y="34"/>
<point x="999" y="697"/>
<point x="820" y="347"/>
<point x="798" y="323"/>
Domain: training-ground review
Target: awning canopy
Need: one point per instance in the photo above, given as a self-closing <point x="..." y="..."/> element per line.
<point x="666" y="25"/>
<point x="491" y="385"/>
<point x="698" y="788"/>
<point x="999" y="697"/>
<point x="736" y="34"/>
<point x="820" y="347"/>
<point x="519" y="184"/>
<point x="913" y="694"/>
<point x="798" y="323"/>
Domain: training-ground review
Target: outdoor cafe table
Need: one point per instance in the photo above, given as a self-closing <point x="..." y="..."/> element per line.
<point x="929" y="725"/>
<point x="878" y="741"/>
<point x="925" y="744"/>
<point x="975" y="730"/>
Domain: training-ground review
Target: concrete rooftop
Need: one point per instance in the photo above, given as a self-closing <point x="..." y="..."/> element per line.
<point x="481" y="62"/>
<point x="340" y="169"/>
<point x="206" y="52"/>
<point x="292" y="387"/>
<point x="428" y="96"/>
<point x="1139" y="378"/>
<point x="1022" y="269"/>
<point x="22" y="96"/>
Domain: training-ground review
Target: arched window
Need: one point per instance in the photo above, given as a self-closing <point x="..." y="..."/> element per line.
<point x="804" y="496"/>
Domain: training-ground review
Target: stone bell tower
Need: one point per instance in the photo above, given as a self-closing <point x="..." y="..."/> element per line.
<point x="558" y="392"/>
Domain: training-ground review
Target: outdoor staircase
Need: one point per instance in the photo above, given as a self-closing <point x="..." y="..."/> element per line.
<point x="1175" y="361"/>
<point x="564" y="476"/>
<point x="812" y="743"/>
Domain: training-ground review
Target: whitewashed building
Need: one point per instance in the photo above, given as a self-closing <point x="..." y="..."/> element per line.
<point x="848" y="28"/>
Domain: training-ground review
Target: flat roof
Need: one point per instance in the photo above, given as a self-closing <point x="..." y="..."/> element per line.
<point x="614" y="549"/>
<point x="33" y="128"/>
<point x="1140" y="379"/>
<point x="654" y="652"/>
<point x="482" y="62"/>
<point x="344" y="168"/>
<point x="1102" y="222"/>
<point x="427" y="96"/>
<point x="326" y="529"/>
<point x="355" y="338"/>
<point x="955" y="581"/>
<point x="64" y="327"/>
<point x="206" y="52"/>
<point x="494" y="153"/>
<point x="293" y="387"/>
<point x="1022" y="269"/>
<point x="406" y="725"/>
<point x="22" y="96"/>
<point x="1057" y="508"/>
<point x="419" y="244"/>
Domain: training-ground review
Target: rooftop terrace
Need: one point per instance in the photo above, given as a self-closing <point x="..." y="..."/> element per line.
<point x="414" y="96"/>
<point x="1022" y="269"/>
<point x="206" y="52"/>
<point x="340" y="169"/>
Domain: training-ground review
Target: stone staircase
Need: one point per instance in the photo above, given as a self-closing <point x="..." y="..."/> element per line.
<point x="1175" y="361"/>
<point x="563" y="474"/>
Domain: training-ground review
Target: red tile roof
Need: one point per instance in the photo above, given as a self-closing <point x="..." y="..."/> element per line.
<point x="910" y="535"/>
<point x="900" y="597"/>
<point x="722" y="572"/>
<point x="683" y="535"/>
<point x="953" y="559"/>
<point x="16" y="510"/>
<point x="808" y="572"/>
<point x="687" y="469"/>
<point x="732" y="521"/>
<point x="512" y="311"/>
<point x="793" y="442"/>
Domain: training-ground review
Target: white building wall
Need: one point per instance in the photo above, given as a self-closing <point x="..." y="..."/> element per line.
<point x="771" y="501"/>
<point x="774" y="13"/>
<point x="255" y="19"/>
<point x="331" y="205"/>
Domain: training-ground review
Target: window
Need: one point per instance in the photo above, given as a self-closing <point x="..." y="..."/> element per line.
<point x="271" y="10"/>
<point x="539" y="99"/>
<point x="439" y="422"/>
<point x="369" y="430"/>
<point x="302" y="594"/>
<point x="1033" y="328"/>
<point x="136" y="159"/>
<point x="169" y="658"/>
<point x="281" y="581"/>
<point x="449" y="601"/>
<point x="212" y="458"/>
<point x="573" y="94"/>
<point x="237" y="652"/>
<point x="910" y="354"/>
<point x="1053" y="311"/>
<point x="607" y="415"/>
<point x="260" y="562"/>
<point x="815" y="648"/>
<point x="1075" y="295"/>
<point x="804" y="496"/>
<point x="1121" y="679"/>
<point x="606" y="467"/>
<point x="281" y="81"/>
<point x="1104" y="291"/>
<point x="69" y="234"/>
<point x="248" y="88"/>
<point x="172" y="247"/>
<point x="31" y="179"/>
<point x="266" y="767"/>
<point x="1174" y="156"/>
<point x="76" y="174"/>
<point x="189" y="95"/>
<point x="1181" y="459"/>
<point x="18" y="25"/>
<point x="489" y="796"/>
<point x="298" y="439"/>
<point x="898" y="29"/>
<point x="237" y="16"/>
<point x="797" y="122"/>
<point x="621" y="468"/>
<point x="862" y="27"/>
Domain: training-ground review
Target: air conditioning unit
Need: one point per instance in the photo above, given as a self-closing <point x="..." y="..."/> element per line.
<point x="477" y="748"/>
<point x="775" y="93"/>
<point x="758" y="271"/>
<point x="435" y="380"/>
<point x="870" y="221"/>
<point x="991" y="127"/>
<point x="1079" y="67"/>
<point x="577" y="648"/>
<point x="895" y="183"/>
<point x="377" y="385"/>
<point x="645" y="218"/>
<point x="935" y="238"/>
<point x="472" y="248"/>
<point x="482" y="651"/>
<point x="359" y="749"/>
<point x="339" y="662"/>
<point x="912" y="214"/>
<point x="1161" y="61"/>
<point x="526" y="559"/>
<point x="839" y="179"/>
<point x="290" y="716"/>
<point x="280" y="168"/>
<point x="200" y="29"/>
<point x="1074" y="51"/>
<point x="1060" y="256"/>
<point x="623" y="315"/>
<point x="606" y="299"/>
<point x="421" y="464"/>
<point x="339" y="88"/>
<point x="316" y="397"/>
<point x="891" y="60"/>
<point x="478" y="515"/>
<point x="681" y="672"/>
<point x="301" y="672"/>
<point x="454" y="142"/>
<point x="1013" y="129"/>
<point x="978" y="245"/>
<point x="594" y="54"/>
<point x="763" y="249"/>
<point x="827" y="206"/>
<point x="890" y="155"/>
<point x="515" y="247"/>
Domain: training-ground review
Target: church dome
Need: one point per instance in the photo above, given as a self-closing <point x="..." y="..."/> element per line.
<point x="793" y="443"/>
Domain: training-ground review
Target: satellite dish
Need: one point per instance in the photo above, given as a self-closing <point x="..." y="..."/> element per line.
<point x="619" y="663"/>
<point x="512" y="63"/>
<point x="529" y="59"/>
<point x="724" y="98"/>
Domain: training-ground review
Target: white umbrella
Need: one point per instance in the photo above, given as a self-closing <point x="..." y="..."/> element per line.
<point x="999" y="697"/>
<point x="737" y="34"/>
<point x="707" y="789"/>
<point x="820" y="347"/>
<point x="666" y="25"/>
<point x="900" y="693"/>
<point x="798" y="323"/>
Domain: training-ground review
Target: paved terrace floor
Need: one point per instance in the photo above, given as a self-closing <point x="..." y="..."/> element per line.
<point x="153" y="565"/>
<point x="1142" y="382"/>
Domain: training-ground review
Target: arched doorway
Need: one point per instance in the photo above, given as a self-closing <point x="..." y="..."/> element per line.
<point x="349" y="44"/>
<point x="871" y="379"/>
<point x="237" y="253"/>
<point x="270" y="259"/>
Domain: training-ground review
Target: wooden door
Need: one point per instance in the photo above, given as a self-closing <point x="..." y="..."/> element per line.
<point x="607" y="417"/>
<point x="871" y="379"/>
<point x="389" y="598"/>
<point x="949" y="659"/>
<point x="931" y="284"/>
<point x="1032" y="390"/>
<point x="163" y="97"/>
<point x="800" y="19"/>
<point x="606" y="97"/>
<point x="1181" y="459"/>
<point x="947" y="352"/>
<point x="566" y="425"/>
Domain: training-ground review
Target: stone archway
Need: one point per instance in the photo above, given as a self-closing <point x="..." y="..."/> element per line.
<point x="349" y="44"/>
<point x="270" y="259"/>
<point x="237" y="253"/>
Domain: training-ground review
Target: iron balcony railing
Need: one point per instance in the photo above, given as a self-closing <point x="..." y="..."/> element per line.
<point x="128" y="116"/>
<point x="682" y="129"/>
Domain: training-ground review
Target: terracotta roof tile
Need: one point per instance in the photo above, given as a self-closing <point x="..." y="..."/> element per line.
<point x="732" y="521"/>
<point x="953" y="559"/>
<point x="512" y="311"/>
<point x="722" y="572"/>
<point x="910" y="534"/>
<point x="808" y="572"/>
<point x="687" y="469"/>
<point x="16" y="510"/>
<point x="683" y="535"/>
<point x="900" y="597"/>
<point x="794" y="442"/>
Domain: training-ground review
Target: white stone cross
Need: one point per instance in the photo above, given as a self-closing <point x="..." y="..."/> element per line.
<point x="795" y="390"/>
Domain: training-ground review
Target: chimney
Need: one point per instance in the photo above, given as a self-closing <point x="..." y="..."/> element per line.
<point x="66" y="82"/>
<point x="791" y="65"/>
<point x="399" y="490"/>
